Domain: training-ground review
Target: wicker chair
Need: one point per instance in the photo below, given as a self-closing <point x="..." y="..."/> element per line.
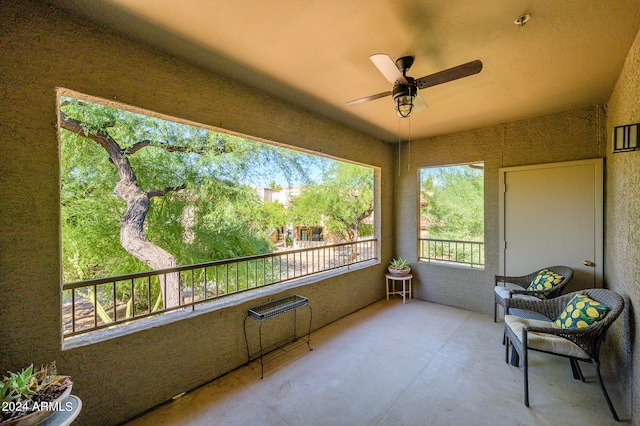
<point x="574" y="343"/>
<point x="501" y="293"/>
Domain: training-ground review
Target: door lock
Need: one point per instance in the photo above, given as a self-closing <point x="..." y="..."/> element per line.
<point x="588" y="263"/>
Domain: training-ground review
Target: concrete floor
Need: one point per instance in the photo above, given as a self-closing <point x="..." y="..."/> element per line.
<point x="394" y="364"/>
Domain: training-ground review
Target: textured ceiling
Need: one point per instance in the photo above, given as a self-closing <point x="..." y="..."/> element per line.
<point x="316" y="53"/>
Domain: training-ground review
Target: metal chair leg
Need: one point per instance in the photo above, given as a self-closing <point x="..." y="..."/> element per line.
<point x="495" y="311"/>
<point x="515" y="358"/>
<point x="604" y="392"/>
<point x="575" y="369"/>
<point x="505" y="341"/>
<point x="525" y="361"/>
<point x="572" y="362"/>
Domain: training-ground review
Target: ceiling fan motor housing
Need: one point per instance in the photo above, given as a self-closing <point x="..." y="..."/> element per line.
<point x="402" y="89"/>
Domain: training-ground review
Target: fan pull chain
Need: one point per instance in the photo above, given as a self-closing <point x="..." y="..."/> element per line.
<point x="409" y="152"/>
<point x="399" y="144"/>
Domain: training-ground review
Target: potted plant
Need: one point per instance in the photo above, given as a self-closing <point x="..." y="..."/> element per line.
<point x="399" y="266"/>
<point x="32" y="395"/>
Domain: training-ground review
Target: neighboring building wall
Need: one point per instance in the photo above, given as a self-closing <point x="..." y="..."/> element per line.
<point x="266" y="194"/>
<point x="43" y="48"/>
<point x="622" y="228"/>
<point x="566" y="136"/>
<point x="285" y="195"/>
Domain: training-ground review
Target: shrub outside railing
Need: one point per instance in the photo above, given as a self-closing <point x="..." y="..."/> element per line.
<point x="106" y="302"/>
<point x="470" y="253"/>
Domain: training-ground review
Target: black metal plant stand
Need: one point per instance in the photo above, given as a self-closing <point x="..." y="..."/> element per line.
<point x="270" y="310"/>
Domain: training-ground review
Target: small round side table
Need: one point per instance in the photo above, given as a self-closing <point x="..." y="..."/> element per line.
<point x="391" y="286"/>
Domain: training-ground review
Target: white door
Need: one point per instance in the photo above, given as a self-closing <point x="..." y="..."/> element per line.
<point x="551" y="214"/>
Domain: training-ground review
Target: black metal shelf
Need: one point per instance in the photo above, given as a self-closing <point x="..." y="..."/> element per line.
<point x="277" y="307"/>
<point x="273" y="309"/>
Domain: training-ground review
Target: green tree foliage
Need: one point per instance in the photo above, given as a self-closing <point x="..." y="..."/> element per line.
<point x="452" y="203"/>
<point x="341" y="202"/>
<point x="199" y="211"/>
<point x="271" y="215"/>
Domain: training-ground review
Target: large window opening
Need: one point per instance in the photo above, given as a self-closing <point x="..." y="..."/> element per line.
<point x="158" y="215"/>
<point x="452" y="214"/>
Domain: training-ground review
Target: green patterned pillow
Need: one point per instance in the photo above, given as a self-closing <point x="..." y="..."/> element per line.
<point x="545" y="280"/>
<point x="581" y="311"/>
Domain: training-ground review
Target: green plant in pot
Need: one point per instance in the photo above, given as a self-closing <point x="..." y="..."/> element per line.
<point x="399" y="266"/>
<point x="30" y="396"/>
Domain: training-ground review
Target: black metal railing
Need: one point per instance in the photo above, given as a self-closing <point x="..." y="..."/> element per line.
<point x="470" y="253"/>
<point x="100" y="303"/>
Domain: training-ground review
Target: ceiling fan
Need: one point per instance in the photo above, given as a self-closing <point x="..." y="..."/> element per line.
<point x="405" y="89"/>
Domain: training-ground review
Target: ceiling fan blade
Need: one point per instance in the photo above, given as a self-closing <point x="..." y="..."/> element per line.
<point x="369" y="98"/>
<point x="464" y="70"/>
<point x="419" y="104"/>
<point x="388" y="68"/>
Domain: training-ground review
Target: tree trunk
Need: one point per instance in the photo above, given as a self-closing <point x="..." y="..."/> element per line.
<point x="134" y="241"/>
<point x="353" y="237"/>
<point x="132" y="237"/>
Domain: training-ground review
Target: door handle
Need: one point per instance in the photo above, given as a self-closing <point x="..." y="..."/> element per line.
<point x="588" y="263"/>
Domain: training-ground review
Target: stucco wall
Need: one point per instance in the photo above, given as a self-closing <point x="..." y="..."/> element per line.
<point x="43" y="48"/>
<point x="622" y="226"/>
<point x="566" y="136"/>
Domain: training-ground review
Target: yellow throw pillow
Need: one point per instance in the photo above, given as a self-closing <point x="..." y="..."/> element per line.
<point x="545" y="280"/>
<point x="581" y="311"/>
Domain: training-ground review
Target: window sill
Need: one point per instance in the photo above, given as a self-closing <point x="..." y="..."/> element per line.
<point x="446" y="264"/>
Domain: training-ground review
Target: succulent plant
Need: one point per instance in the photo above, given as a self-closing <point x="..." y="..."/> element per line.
<point x="19" y="386"/>
<point x="399" y="263"/>
<point x="28" y="387"/>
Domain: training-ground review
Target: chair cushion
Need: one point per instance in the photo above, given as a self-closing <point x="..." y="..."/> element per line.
<point x="545" y="280"/>
<point x="581" y="311"/>
<point x="543" y="341"/>
<point x="503" y="292"/>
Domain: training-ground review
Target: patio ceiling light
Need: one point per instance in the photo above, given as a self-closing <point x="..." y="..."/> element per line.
<point x="403" y="95"/>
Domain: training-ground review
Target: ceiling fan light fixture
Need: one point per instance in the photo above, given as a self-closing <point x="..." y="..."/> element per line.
<point x="404" y="105"/>
<point x="403" y="95"/>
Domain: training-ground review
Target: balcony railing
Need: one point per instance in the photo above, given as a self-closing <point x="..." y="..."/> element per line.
<point x="470" y="253"/>
<point x="100" y="303"/>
